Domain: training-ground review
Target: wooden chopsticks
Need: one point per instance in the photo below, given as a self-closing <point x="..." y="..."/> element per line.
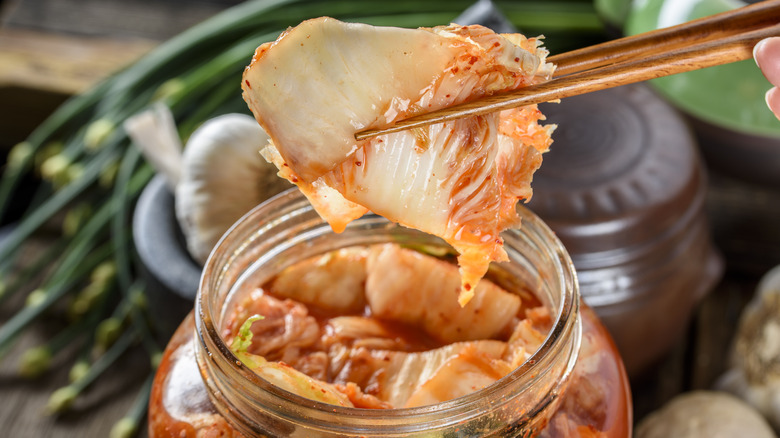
<point x="705" y="29"/>
<point x="706" y="42"/>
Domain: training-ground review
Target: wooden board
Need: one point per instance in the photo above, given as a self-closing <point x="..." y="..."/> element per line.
<point x="52" y="49"/>
<point x="147" y="19"/>
<point x="39" y="70"/>
<point x="66" y="64"/>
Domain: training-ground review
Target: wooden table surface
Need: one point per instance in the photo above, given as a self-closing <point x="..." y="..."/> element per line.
<point x="47" y="53"/>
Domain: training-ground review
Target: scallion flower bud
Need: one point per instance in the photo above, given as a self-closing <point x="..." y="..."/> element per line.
<point x="62" y="399"/>
<point x="35" y="362"/>
<point x="97" y="133"/>
<point x="35" y="298"/>
<point x="18" y="154"/>
<point x="124" y="428"/>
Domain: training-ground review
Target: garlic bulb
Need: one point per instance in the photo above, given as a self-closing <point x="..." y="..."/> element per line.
<point x="704" y="414"/>
<point x="223" y="176"/>
<point x="755" y="372"/>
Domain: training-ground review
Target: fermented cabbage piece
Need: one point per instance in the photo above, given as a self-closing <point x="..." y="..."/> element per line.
<point x="409" y="345"/>
<point x="404" y="285"/>
<point x="404" y="379"/>
<point x="333" y="281"/>
<point x="281" y="374"/>
<point x="324" y="80"/>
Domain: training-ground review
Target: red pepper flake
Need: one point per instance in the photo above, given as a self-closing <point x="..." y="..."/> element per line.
<point x="248" y="85"/>
<point x="294" y="180"/>
<point x="467" y="286"/>
<point x="473" y="59"/>
<point x="358" y="163"/>
<point x="496" y="44"/>
<point x="454" y="69"/>
<point x="517" y="59"/>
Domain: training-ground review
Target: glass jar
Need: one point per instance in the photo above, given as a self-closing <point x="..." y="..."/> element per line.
<point x="574" y="383"/>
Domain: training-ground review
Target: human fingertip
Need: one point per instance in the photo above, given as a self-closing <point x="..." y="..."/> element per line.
<point x="758" y="47"/>
<point x="772" y="98"/>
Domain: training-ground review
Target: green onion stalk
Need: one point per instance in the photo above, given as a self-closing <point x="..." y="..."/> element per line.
<point x="37" y="360"/>
<point x="62" y="399"/>
<point x="54" y="289"/>
<point x="28" y="274"/>
<point x="91" y="174"/>
<point x="129" y="425"/>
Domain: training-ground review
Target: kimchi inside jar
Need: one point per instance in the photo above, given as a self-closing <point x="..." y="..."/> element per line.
<point x="299" y="331"/>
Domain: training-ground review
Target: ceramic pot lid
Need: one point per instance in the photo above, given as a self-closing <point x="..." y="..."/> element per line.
<point x="622" y="172"/>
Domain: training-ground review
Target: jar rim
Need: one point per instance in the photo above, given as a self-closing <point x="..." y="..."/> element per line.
<point x="565" y="325"/>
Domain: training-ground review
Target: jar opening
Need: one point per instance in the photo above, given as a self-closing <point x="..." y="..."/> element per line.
<point x="285" y="229"/>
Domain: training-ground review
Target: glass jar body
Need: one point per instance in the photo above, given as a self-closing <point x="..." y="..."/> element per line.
<point x="575" y="380"/>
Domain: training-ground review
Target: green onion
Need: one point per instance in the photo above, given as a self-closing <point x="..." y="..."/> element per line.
<point x="62" y="399"/>
<point x="70" y="114"/>
<point x="45" y="212"/>
<point x="128" y="425"/>
<point x="87" y="257"/>
<point x="37" y="360"/>
<point x="26" y="275"/>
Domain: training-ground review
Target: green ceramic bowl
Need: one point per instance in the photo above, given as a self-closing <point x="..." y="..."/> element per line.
<point x="730" y="96"/>
<point x="613" y="12"/>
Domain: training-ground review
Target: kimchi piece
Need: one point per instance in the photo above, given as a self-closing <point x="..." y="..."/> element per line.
<point x="367" y="342"/>
<point x="324" y="80"/>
